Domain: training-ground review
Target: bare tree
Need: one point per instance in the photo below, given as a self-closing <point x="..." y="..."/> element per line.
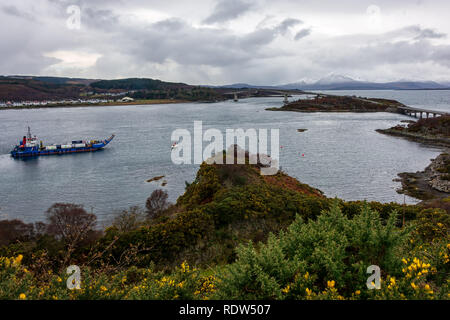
<point x="156" y="203"/>
<point x="70" y="222"/>
<point x="129" y="219"/>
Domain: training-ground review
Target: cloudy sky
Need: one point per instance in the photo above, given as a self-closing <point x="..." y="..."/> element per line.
<point x="227" y="41"/>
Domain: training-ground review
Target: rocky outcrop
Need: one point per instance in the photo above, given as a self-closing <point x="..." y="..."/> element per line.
<point x="437" y="173"/>
<point x="432" y="183"/>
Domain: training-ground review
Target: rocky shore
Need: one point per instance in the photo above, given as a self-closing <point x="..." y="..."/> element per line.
<point x="429" y="139"/>
<point x="434" y="181"/>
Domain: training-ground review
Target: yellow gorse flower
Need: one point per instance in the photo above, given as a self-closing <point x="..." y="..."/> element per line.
<point x="185" y="267"/>
<point x="22" y="296"/>
<point x="17" y="260"/>
<point x="331" y="284"/>
<point x="286" y="290"/>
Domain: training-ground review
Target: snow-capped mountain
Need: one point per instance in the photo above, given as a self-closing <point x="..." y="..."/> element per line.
<point x="333" y="78"/>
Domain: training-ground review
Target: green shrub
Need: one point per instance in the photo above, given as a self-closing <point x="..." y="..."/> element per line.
<point x="332" y="248"/>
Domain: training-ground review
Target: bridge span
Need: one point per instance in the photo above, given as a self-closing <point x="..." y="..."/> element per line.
<point x="420" y="113"/>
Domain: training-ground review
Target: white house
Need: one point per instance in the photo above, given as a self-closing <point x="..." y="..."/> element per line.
<point x="126" y="99"/>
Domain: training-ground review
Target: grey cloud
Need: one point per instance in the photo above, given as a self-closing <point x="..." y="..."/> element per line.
<point x="180" y="48"/>
<point x="354" y="56"/>
<point x="226" y="10"/>
<point x="98" y="18"/>
<point x="441" y="54"/>
<point x="413" y="32"/>
<point x="14" y="11"/>
<point x="286" y="24"/>
<point x="302" y="34"/>
<point x="430" y="34"/>
<point x="176" y="40"/>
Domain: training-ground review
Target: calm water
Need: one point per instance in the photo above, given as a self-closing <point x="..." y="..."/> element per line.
<point x="343" y="155"/>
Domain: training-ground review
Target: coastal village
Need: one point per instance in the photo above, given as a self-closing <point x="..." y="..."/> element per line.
<point x="49" y="103"/>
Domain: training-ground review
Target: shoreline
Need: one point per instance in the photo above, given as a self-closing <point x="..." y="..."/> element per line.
<point x="439" y="142"/>
<point x="432" y="183"/>
<point x="107" y="104"/>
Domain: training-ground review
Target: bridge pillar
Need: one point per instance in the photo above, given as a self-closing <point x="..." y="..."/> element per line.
<point x="434" y="115"/>
<point x="420" y="114"/>
<point x="428" y="114"/>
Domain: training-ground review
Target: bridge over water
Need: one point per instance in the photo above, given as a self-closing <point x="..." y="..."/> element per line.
<point x="253" y="92"/>
<point x="419" y="113"/>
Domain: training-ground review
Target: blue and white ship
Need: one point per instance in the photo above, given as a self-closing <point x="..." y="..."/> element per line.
<point x="30" y="147"/>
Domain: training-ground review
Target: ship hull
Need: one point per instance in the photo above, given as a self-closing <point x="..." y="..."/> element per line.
<point x="26" y="154"/>
<point x="36" y="152"/>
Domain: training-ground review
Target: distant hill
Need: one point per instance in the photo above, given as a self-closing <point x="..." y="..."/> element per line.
<point x="339" y="82"/>
<point x="20" y="89"/>
<point x="136" y="84"/>
<point x="246" y="86"/>
<point x="30" y="88"/>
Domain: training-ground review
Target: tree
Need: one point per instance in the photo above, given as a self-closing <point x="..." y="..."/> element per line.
<point x="70" y="223"/>
<point x="156" y="203"/>
<point x="129" y="219"/>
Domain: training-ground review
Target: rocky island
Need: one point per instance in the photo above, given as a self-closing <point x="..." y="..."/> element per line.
<point x="330" y="103"/>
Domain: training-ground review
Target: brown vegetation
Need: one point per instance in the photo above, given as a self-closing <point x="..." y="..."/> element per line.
<point x="327" y="103"/>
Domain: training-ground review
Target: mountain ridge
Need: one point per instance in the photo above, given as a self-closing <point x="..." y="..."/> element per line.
<point x="342" y="82"/>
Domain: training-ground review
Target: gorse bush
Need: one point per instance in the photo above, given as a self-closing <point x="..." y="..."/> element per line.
<point x="185" y="282"/>
<point x="324" y="258"/>
<point x="308" y="256"/>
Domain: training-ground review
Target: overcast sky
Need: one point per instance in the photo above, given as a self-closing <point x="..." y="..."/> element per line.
<point x="227" y="41"/>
